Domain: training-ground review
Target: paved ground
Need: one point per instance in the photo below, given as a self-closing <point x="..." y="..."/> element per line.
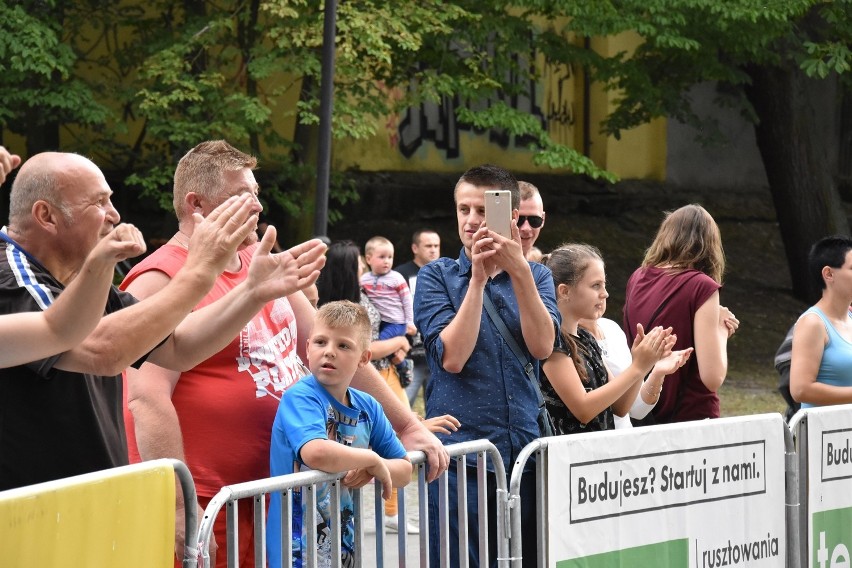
<point x="391" y="544"/>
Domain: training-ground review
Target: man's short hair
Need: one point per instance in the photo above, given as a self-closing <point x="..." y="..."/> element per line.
<point x="375" y="243"/>
<point x="828" y="251"/>
<point x="415" y="237"/>
<point x="495" y="177"/>
<point x="201" y="170"/>
<point x="528" y="190"/>
<point x="345" y="314"/>
<point x="41" y="183"/>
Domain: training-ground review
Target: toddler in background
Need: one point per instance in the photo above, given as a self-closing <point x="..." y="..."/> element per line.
<point x="389" y="293"/>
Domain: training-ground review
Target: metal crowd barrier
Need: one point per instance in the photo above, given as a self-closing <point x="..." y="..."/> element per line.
<point x="230" y="496"/>
<point x="538" y="449"/>
<point x="824" y="483"/>
<point x="795" y="515"/>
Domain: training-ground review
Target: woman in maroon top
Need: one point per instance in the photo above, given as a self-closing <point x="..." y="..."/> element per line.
<point x="678" y="286"/>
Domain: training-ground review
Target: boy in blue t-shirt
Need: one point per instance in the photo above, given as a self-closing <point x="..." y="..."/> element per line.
<point x="322" y="424"/>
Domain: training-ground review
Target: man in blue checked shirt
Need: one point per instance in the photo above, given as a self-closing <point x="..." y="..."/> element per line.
<point x="475" y="375"/>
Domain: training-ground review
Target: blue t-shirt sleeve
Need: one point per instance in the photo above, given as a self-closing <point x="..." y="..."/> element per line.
<point x="383" y="439"/>
<point x="302" y="417"/>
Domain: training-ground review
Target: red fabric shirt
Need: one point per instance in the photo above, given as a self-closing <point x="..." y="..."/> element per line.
<point x="684" y="396"/>
<point x="226" y="405"/>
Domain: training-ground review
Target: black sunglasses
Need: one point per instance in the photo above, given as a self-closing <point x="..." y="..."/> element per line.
<point x="535" y="221"/>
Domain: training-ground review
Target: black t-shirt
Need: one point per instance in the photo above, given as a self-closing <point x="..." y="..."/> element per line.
<point x="408" y="270"/>
<point x="563" y="420"/>
<point x="53" y="423"/>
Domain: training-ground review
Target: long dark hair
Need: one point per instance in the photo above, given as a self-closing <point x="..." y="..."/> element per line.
<point x="568" y="263"/>
<point x="338" y="279"/>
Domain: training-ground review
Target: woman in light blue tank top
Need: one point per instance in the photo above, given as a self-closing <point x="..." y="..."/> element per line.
<point x="821" y="364"/>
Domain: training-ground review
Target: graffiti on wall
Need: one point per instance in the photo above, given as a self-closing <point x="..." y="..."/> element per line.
<point x="551" y="101"/>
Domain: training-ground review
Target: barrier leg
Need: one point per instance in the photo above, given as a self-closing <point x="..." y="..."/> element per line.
<point x="792" y="500"/>
<point x="541" y="505"/>
<point x="461" y="503"/>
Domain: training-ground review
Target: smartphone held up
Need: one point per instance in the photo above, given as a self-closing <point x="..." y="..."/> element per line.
<point x="498" y="212"/>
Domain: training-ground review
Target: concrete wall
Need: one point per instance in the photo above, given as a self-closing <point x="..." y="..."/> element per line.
<point x="734" y="161"/>
<point x="731" y="162"/>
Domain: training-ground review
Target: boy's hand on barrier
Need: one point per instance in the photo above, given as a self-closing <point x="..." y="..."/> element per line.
<point x="356" y="478"/>
<point x="381" y="472"/>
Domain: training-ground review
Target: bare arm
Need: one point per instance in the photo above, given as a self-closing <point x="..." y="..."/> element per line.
<point x="622" y="405"/>
<point x="207" y="331"/>
<point x="649" y="393"/>
<point x="157" y="430"/>
<point x="122" y="337"/>
<point x="412" y="433"/>
<point x="76" y="312"/>
<point x="711" y="340"/>
<point x="585" y="405"/>
<point x="381" y="348"/>
<point x="326" y="455"/>
<point x="304" y="312"/>
<point x="809" y="340"/>
<point x="562" y="374"/>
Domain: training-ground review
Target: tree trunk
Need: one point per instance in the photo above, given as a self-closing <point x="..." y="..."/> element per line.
<point x="794" y="149"/>
<point x="304" y="154"/>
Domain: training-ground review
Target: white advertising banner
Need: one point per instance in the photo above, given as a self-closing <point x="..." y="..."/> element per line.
<point x="700" y="494"/>
<point x="829" y="486"/>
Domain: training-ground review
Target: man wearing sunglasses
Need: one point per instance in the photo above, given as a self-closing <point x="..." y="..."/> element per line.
<point x="531" y="216"/>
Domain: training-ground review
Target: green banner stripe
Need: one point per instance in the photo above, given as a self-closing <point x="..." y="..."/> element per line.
<point x="668" y="554"/>
<point x="835" y="528"/>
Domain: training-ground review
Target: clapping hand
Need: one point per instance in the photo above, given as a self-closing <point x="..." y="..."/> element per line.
<point x="123" y="242"/>
<point x="8" y="162"/>
<point x="275" y="275"/>
<point x="674" y="361"/>
<point x="651" y="347"/>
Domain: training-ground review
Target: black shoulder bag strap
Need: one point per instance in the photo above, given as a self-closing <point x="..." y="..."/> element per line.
<point x="510" y="341"/>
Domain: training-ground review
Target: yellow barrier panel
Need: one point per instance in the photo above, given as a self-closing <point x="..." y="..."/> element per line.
<point x="118" y="517"/>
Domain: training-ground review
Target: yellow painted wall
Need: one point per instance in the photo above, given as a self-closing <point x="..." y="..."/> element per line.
<point x="640" y="153"/>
